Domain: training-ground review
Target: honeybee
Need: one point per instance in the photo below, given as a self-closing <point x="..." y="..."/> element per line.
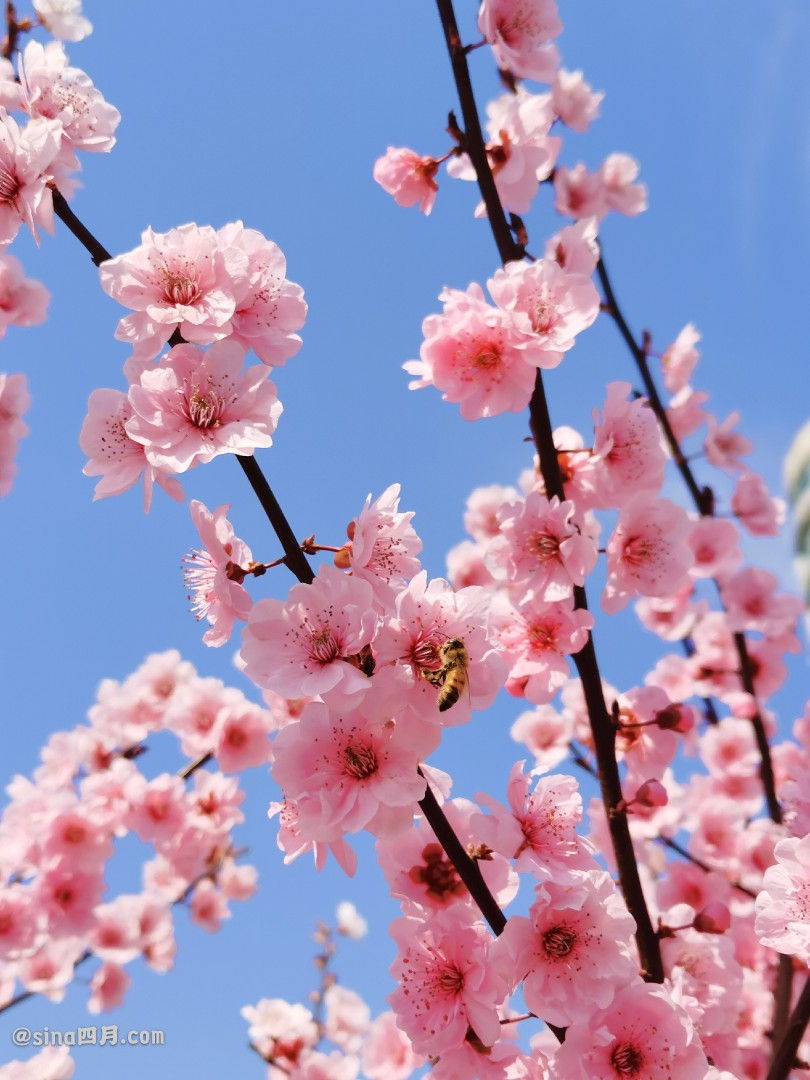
<point x="451" y="677"/>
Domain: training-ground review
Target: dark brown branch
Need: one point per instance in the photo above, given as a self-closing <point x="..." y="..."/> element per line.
<point x="783" y="1059"/>
<point x="540" y="424"/>
<point x="703" y="499"/>
<point x="97" y="252"/>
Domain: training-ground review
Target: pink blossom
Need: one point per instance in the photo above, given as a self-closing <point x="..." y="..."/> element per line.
<point x="535" y="639"/>
<point x="752" y="603"/>
<point x="241" y="738"/>
<point x="52" y="1063"/>
<point x="541" y="549"/>
<point x="643" y="1033"/>
<point x="54" y="91"/>
<point x="348" y="772"/>
<point x="575" y="247"/>
<point x="546" y="301"/>
<point x="723" y="446"/>
<point x="579" y="194"/>
<point x="647" y="552"/>
<point x="279" y="1030"/>
<point x="783" y="906"/>
<point x="387" y="1051"/>
<point x="108" y="985"/>
<point x="49" y="970"/>
<point x="481" y="518"/>
<point x="545" y="732"/>
<point x="685" y="412"/>
<point x="349" y="921"/>
<point x="268" y="307"/>
<point x="671" y="617"/>
<point x="573" y="952"/>
<point x="347" y="1018"/>
<point x="180" y="280"/>
<point x="309" y="644"/>
<point x="14" y="401"/>
<point x="714" y="544"/>
<point x="116" y="936"/>
<point x="18" y="921"/>
<point x="63" y="18"/>
<point x="23" y="302"/>
<point x="466" y="566"/>
<point x="647" y="749"/>
<point x="759" y="513"/>
<point x="538" y="831"/>
<point x="428" y="615"/>
<point x="383" y="546"/>
<point x="476" y="355"/>
<point x="627" y="449"/>
<point x="574" y="101"/>
<point x="207" y="907"/>
<point x="26" y="155"/>
<point x="195" y="405"/>
<point x="618" y="172"/>
<point x="67" y="897"/>
<point x="702" y="966"/>
<point x="446" y="983"/>
<point x="519" y="32"/>
<point x="293" y="844"/>
<point x="214" y="574"/>
<point x="114" y="455"/>
<point x="75" y="841"/>
<point x="407" y="176"/>
<point x="679" y="359"/>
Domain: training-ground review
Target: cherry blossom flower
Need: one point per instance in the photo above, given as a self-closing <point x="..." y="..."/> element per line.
<point x="476" y="355"/>
<point x="754" y="507"/>
<point x="383" y="546"/>
<point x="409" y="177"/>
<point x="14" y="400"/>
<point x="214" y="574"/>
<point x="23" y="302"/>
<point x="723" y="446"/>
<point x="293" y="844"/>
<point x="573" y="100"/>
<point x="446" y="983"/>
<point x="618" y="172"/>
<point x="52" y="1063"/>
<point x="575" y="248"/>
<point x="679" y="359"/>
<point x="308" y="644"/>
<point x="26" y="156"/>
<point x="268" y="307"/>
<point x="114" y="455"/>
<point x="783" y="905"/>
<point x="63" y="18"/>
<point x="180" y="280"/>
<point x="541" y="550"/>
<point x="685" y="412"/>
<point x="349" y="921"/>
<point x="481" y="518"/>
<point x="573" y="952"/>
<point x="647" y="552"/>
<point x="545" y="732"/>
<point x="714" y="544"/>
<point x="348" y="772"/>
<point x="387" y="1051"/>
<point x="546" y="301"/>
<point x="347" y="1018"/>
<point x="195" y="405"/>
<point x="279" y="1030"/>
<point x="108" y="984"/>
<point x="519" y="32"/>
<point x="627" y="451"/>
<point x="578" y="193"/>
<point x="241" y="738"/>
<point x="54" y="91"/>
<point x="643" y="1033"/>
<point x="752" y="603"/>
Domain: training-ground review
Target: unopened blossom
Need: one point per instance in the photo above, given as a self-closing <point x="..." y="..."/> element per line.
<point x="573" y="952"/>
<point x="114" y="455"/>
<point x="541" y="550"/>
<point x="477" y="356"/>
<point x="14" y="401"/>
<point x="383" y="546"/>
<point x="446" y="983"/>
<point x="642" y="1035"/>
<point x="213" y="573"/>
<point x="647" y="552"/>
<point x="64" y="18"/>
<point x="184" y="280"/>
<point x="576" y="104"/>
<point x="348" y="771"/>
<point x="578" y="193"/>
<point x="309" y="643"/>
<point x="519" y="32"/>
<point x="759" y="512"/>
<point x="26" y="156"/>
<point x="547" y="301"/>
<point x="627" y="454"/>
<point x="619" y="172"/>
<point x="54" y="91"/>
<point x="783" y="905"/>
<point x="195" y="405"/>
<point x="408" y="176"/>
<point x="679" y="359"/>
<point x="23" y="301"/>
<point x="723" y="446"/>
<point x="269" y="308"/>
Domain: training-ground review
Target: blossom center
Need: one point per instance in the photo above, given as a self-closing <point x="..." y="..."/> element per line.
<point x="559" y="941"/>
<point x="486" y="356"/>
<point x="359" y="761"/>
<point x="544" y="546"/>
<point x="450" y="981"/>
<point x="322" y="646"/>
<point x="9" y="185"/>
<point x="180" y="290"/>
<point x="626" y="1059"/>
<point x="437" y="874"/>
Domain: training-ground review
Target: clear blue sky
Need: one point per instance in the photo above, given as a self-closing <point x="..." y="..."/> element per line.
<point x="274" y="113"/>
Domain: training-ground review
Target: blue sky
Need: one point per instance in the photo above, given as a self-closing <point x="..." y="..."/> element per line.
<point x="274" y="114"/>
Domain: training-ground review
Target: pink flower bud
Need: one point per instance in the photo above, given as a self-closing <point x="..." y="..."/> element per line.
<point x="652" y="793"/>
<point x="715" y="918"/>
